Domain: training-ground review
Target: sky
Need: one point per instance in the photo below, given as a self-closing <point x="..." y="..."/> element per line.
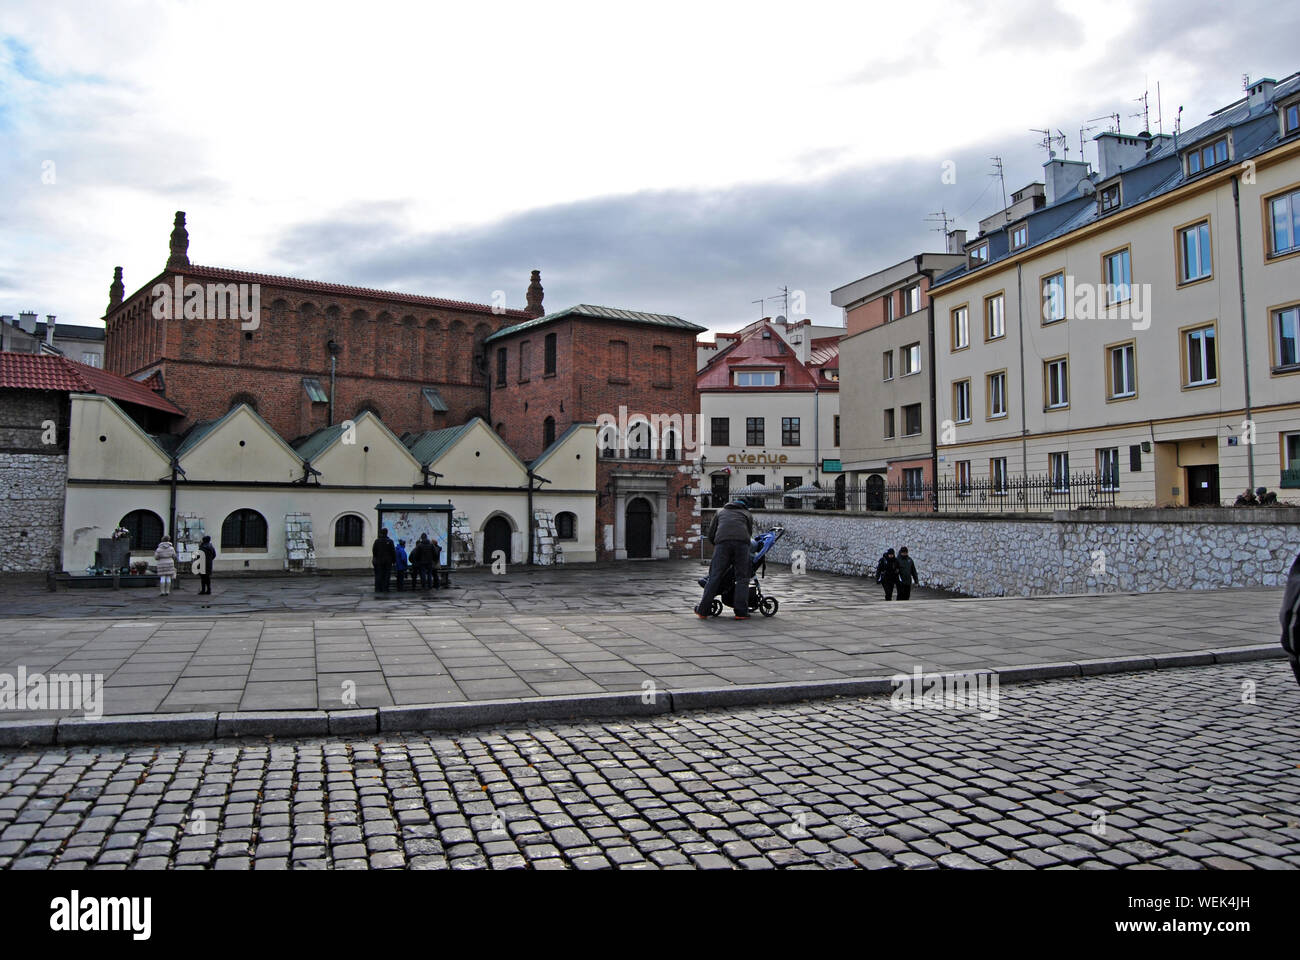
<point x="680" y="158"/>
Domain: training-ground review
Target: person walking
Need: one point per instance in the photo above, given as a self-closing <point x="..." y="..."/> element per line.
<point x="887" y="573"/>
<point x="382" y="557"/>
<point x="730" y="533"/>
<point x="165" y="555"/>
<point x="399" y="567"/>
<point x="209" y="553"/>
<point x="1290" y="618"/>
<point x="906" y="575"/>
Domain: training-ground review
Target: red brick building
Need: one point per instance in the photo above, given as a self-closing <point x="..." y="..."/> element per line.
<point x="317" y="353"/>
<point x="632" y="373"/>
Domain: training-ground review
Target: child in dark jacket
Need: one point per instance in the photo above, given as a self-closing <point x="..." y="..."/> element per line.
<point x="887" y="573"/>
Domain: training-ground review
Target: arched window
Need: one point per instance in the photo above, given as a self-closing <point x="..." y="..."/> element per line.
<point x="244" y="528"/>
<point x="146" y="529"/>
<point x="670" y="444"/>
<point x="566" y="526"/>
<point x="548" y="432"/>
<point x="638" y="441"/>
<point x="348" y="531"/>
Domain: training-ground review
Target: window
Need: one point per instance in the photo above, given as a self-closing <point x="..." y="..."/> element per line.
<point x="1056" y="387"/>
<point x="755" y="428"/>
<point x="837" y="430"/>
<point x="789" y="431"/>
<point x="1284" y="223"/>
<point x="1291" y="119"/>
<point x="995" y="317"/>
<point x="1122" y="372"/>
<point x="912" y="299"/>
<point x="349" y="531"/>
<point x="146" y="529"/>
<point x="501" y="367"/>
<point x="1291" y="451"/>
<point x="998" y="476"/>
<point x="1210" y="155"/>
<point x="1019" y="236"/>
<point x="244" y="530"/>
<point x="1286" y="330"/>
<point x="1110" y="198"/>
<point x="720" y="431"/>
<point x="961" y="401"/>
<point x="978" y="256"/>
<point x="997" y="394"/>
<point x="548" y="355"/>
<point x="911" y="358"/>
<point x="670" y="444"/>
<point x="548" y="432"/>
<point x="618" y="361"/>
<point x="434" y="399"/>
<point x="1054" y="298"/>
<point x="760" y="378"/>
<point x="608" y="438"/>
<point x="889" y="365"/>
<point x="961" y="328"/>
<point x="566" y="526"/>
<point x="1194" y="259"/>
<point x="1118" y="276"/>
<point x="523" y="361"/>
<point x="638" y="441"/>
<point x="963" y="478"/>
<point x="91" y="359"/>
<point x="1202" y="360"/>
<point x="1108" y="467"/>
<point x="315" y="392"/>
<point x="912" y="420"/>
<point x="889" y="424"/>
<point x="1059" y="466"/>
<point x="914" y="483"/>
<point x="663" y="367"/>
<point x="889" y="307"/>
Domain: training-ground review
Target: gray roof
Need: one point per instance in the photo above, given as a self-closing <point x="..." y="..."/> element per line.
<point x="588" y="312"/>
<point x="315" y="444"/>
<point x="431" y="444"/>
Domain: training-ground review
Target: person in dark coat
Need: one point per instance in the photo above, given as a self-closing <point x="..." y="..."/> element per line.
<point x="399" y="568"/>
<point x="906" y="574"/>
<point x="887" y="573"/>
<point x="730" y="533"/>
<point x="209" y="555"/>
<point x="1290" y="618"/>
<point x="435" y="561"/>
<point x="382" y="557"/>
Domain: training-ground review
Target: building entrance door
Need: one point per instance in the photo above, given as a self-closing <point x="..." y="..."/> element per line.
<point x="1203" y="486"/>
<point x="639" y="528"/>
<point x="721" y="489"/>
<point x="875" y="492"/>
<point x="496" y="536"/>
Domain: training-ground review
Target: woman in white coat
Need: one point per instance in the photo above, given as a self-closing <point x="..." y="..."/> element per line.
<point x="166" y="557"/>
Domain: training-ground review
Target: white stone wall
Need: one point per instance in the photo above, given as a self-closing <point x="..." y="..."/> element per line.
<point x="31" y="511"/>
<point x="997" y="557"/>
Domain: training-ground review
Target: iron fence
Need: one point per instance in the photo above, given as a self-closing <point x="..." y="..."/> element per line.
<point x="1018" y="494"/>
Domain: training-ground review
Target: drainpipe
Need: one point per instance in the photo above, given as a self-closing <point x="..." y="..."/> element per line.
<point x="1245" y="347"/>
<point x="171" y="520"/>
<point x="530" y="516"/>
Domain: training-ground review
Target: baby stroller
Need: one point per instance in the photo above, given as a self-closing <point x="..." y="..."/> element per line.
<point x="758" y="550"/>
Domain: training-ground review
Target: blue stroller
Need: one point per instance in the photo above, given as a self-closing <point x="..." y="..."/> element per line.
<point x="758" y="550"/>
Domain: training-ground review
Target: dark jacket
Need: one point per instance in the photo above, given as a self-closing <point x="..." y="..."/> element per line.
<point x="887" y="569"/>
<point x="209" y="553"/>
<point x="435" y="552"/>
<point x="907" y="570"/>
<point x="1290" y="617"/>
<point x="420" y="553"/>
<point x="383" y="552"/>
<point x="731" y="525"/>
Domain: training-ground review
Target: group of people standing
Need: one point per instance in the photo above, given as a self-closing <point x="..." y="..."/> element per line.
<point x="897" y="571"/>
<point x="391" y="560"/>
<point x="165" y="556"/>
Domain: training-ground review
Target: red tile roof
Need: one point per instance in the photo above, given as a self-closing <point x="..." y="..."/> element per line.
<point x="759" y="352"/>
<point x="317" y="286"/>
<point x="30" y="371"/>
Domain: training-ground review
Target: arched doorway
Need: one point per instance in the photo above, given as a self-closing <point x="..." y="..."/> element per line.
<point x="640" y="526"/>
<point x="496" y="536"/>
<point x="875" y="492"/>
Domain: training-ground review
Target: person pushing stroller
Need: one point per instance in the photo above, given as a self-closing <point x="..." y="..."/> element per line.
<point x="730" y="533"/>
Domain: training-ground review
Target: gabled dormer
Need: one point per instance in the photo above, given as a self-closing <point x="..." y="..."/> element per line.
<point x="977" y="255"/>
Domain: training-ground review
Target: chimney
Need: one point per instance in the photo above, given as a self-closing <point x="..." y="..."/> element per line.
<point x="27" y="321"/>
<point x="956" y="241"/>
<point x="115" y="291"/>
<point x="1260" y="92"/>
<point x="1116" y="152"/>
<point x="180" y="244"/>
<point x="1062" y="176"/>
<point x="534" y="308"/>
<point x="49" y="329"/>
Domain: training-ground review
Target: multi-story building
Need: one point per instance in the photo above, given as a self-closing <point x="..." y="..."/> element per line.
<point x="81" y="344"/>
<point x="887" y="374"/>
<point x="770" y="410"/>
<point x="633" y="374"/>
<point x="1143" y="324"/>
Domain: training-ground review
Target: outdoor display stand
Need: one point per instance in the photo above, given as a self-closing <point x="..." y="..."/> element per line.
<point x="462" y="541"/>
<point x="546" y="547"/>
<point x="300" y="550"/>
<point x="406" y="521"/>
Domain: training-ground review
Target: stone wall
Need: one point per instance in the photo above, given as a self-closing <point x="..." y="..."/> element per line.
<point x="31" y="511"/>
<point x="1069" y="552"/>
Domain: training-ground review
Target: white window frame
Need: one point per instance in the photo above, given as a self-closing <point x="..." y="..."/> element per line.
<point x="1019" y="236"/>
<point x="911" y="299"/>
<point x="888" y="365"/>
<point x="909" y="353"/>
<point x="963" y="477"/>
<point x="1105" y="457"/>
<point x="1129" y="352"/>
<point x="1104" y="200"/>
<point x="1291" y="200"/>
<point x="1000" y="300"/>
<point x="1206" y="351"/>
<point x="998" y="477"/>
<point x="920" y="419"/>
<point x="961" y="328"/>
<point x="997" y="392"/>
<point x="961" y="401"/>
<point x="978" y="256"/>
<point x="1279" y="328"/>
<point x="1058" y="381"/>
<point x="1053" y="294"/>
<point x="1118" y="292"/>
<point x="1059" y="469"/>
<point x="758" y="378"/>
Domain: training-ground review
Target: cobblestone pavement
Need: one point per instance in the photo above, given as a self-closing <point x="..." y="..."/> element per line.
<point x="1168" y="769"/>
<point x="304" y="661"/>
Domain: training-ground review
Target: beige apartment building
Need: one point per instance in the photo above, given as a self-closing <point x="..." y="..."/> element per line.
<point x="1142" y="325"/>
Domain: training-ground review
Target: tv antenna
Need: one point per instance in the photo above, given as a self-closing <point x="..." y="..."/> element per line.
<point x="1049" y="142"/>
<point x="1145" y="100"/>
<point x="998" y="172"/>
<point x="942" y="219"/>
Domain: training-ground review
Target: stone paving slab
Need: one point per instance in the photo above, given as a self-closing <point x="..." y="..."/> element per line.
<point x="1168" y="770"/>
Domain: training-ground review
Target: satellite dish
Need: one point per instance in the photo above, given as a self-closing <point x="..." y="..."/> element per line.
<point x="1087" y="188"/>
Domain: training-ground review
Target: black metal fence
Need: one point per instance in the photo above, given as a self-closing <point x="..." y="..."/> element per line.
<point x="1016" y="494"/>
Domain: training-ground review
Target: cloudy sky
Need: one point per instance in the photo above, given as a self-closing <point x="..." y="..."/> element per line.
<point x="685" y="158"/>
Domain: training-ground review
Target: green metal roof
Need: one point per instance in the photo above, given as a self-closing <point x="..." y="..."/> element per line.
<point x="588" y="312"/>
<point x="316" y="443"/>
<point x="431" y="444"/>
<point x="201" y="430"/>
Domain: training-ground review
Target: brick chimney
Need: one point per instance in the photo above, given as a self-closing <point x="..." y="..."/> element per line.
<point x="534" y="308"/>
<point x="180" y="244"/>
<point x="116" y="291"/>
